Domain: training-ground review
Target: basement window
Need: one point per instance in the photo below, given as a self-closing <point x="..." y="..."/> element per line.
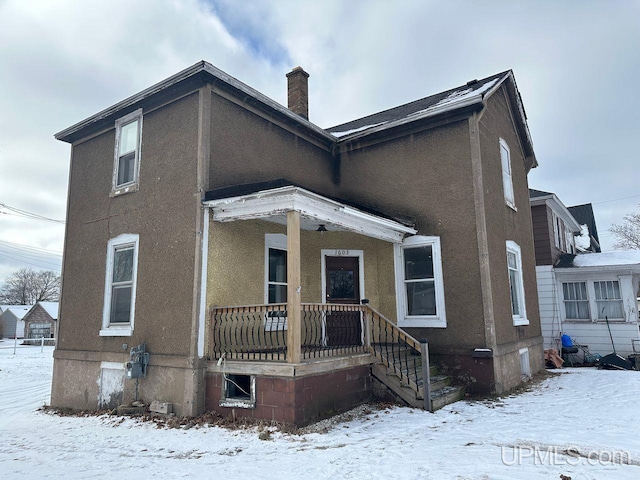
<point x="239" y="391"/>
<point x="525" y="364"/>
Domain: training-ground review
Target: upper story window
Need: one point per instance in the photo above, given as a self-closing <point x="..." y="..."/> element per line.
<point x="516" y="284"/>
<point x="419" y="284"/>
<point x="127" y="153"/>
<point x="120" y="286"/>
<point x="507" y="180"/>
<point x="576" y="300"/>
<point x="608" y="299"/>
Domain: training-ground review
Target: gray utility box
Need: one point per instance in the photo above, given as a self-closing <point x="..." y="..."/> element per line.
<point x="136" y="367"/>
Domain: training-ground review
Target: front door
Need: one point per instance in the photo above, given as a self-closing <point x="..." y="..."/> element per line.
<point x="343" y="286"/>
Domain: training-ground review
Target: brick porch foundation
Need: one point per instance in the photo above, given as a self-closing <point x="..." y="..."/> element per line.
<point x="298" y="400"/>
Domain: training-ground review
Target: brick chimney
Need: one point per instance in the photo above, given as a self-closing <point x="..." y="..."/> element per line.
<point x="298" y="92"/>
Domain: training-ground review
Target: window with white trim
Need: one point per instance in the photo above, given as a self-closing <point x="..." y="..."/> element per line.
<point x="419" y="285"/>
<point x="120" y="285"/>
<point x="507" y="180"/>
<point x="126" y="165"/>
<point x="516" y="284"/>
<point x="608" y="299"/>
<point x="276" y="279"/>
<point x="576" y="301"/>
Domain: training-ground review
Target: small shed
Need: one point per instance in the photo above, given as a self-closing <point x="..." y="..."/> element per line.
<point x="12" y="320"/>
<point x="41" y="320"/>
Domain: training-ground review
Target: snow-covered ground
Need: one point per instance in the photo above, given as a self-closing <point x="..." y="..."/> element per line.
<point x="582" y="424"/>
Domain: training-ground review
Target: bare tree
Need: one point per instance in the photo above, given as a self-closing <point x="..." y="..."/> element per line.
<point x="628" y="232"/>
<point x="27" y="286"/>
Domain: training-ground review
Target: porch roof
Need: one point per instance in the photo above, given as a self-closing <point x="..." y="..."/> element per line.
<point x="273" y="204"/>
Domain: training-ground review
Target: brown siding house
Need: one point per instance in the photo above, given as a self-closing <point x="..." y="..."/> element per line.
<point x="280" y="270"/>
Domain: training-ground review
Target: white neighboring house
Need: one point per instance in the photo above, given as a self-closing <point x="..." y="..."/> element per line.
<point x="579" y="292"/>
<point x="11" y="320"/>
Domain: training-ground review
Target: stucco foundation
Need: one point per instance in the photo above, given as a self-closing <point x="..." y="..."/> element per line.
<point x="299" y="400"/>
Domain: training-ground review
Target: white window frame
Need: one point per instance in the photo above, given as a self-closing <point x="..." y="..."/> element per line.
<point x="507" y="174"/>
<point x="276" y="241"/>
<point x="134" y="184"/>
<point x="439" y="320"/>
<point x="588" y="300"/>
<point x="119" y="329"/>
<point x="619" y="300"/>
<point x="521" y="318"/>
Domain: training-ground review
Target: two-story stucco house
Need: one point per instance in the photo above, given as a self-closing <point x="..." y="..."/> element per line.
<point x="280" y="268"/>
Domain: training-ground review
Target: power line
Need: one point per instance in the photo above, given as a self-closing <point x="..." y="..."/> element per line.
<point x="615" y="200"/>
<point x="30" y="215"/>
<point x="30" y="248"/>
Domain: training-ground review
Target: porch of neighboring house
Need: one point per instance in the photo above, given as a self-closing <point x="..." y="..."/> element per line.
<point x="300" y="291"/>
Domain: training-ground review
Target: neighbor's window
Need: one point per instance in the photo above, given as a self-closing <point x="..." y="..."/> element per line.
<point x="127" y="151"/>
<point x="120" y="285"/>
<point x="419" y="280"/>
<point x="516" y="285"/>
<point x="276" y="279"/>
<point x="608" y="299"/>
<point x="507" y="180"/>
<point x="576" y="301"/>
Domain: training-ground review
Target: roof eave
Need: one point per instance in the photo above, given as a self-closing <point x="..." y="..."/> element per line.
<point x="215" y="75"/>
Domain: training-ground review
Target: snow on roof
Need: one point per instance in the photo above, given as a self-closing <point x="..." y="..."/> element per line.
<point x="18" y="310"/>
<point x="51" y="308"/>
<point x="605" y="259"/>
<point x="583" y="240"/>
<point x="472" y="92"/>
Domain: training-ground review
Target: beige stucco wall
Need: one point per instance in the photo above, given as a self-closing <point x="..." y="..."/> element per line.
<point x="237" y="257"/>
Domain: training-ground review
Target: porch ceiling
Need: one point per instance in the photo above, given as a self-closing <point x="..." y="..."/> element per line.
<point x="273" y="204"/>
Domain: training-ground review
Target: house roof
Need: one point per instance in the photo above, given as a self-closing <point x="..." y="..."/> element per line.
<point x="617" y="259"/>
<point x="538" y="193"/>
<point x="192" y="77"/>
<point x="19" y="311"/>
<point x="540" y="197"/>
<point x="50" y="307"/>
<point x="473" y="94"/>
<point x="584" y="215"/>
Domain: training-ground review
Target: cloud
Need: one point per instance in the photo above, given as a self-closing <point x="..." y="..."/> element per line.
<point x="574" y="62"/>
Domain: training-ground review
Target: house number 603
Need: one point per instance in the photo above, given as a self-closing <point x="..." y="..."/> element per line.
<point x="342" y="253"/>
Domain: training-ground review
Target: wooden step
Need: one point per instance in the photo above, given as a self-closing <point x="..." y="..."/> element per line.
<point x="446" y="395"/>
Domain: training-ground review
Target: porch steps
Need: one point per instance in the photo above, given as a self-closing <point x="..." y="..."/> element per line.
<point x="408" y="385"/>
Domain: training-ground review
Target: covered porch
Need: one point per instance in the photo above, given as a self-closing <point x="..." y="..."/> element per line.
<point x="325" y="272"/>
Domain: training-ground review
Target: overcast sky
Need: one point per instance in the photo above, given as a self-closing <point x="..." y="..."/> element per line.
<point x="576" y="63"/>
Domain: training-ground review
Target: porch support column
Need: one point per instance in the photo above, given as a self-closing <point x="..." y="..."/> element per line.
<point x="294" y="308"/>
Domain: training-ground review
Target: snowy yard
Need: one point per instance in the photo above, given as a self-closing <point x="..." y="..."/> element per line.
<point x="582" y="423"/>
